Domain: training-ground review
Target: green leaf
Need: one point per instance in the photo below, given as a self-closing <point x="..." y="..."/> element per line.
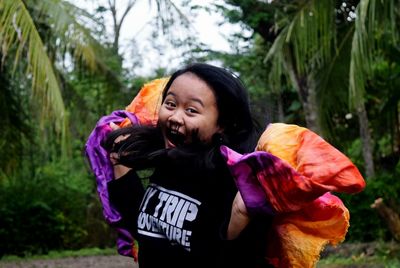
<point x="17" y="29"/>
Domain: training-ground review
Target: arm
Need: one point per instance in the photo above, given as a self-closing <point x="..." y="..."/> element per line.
<point x="125" y="190"/>
<point x="126" y="195"/>
<point x="119" y="170"/>
<point x="102" y="168"/>
<point x="239" y="218"/>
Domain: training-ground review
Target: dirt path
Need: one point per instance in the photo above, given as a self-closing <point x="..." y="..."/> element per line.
<point x="346" y="250"/>
<point x="119" y="262"/>
<point x="75" y="262"/>
<point x="112" y="261"/>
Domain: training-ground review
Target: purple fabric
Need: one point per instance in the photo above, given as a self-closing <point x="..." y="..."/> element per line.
<point x="103" y="170"/>
<point x="243" y="169"/>
<point x="124" y="242"/>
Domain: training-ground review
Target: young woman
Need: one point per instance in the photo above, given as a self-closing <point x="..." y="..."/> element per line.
<point x="190" y="214"/>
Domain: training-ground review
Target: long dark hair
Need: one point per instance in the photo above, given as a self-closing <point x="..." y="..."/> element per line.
<point x="145" y="146"/>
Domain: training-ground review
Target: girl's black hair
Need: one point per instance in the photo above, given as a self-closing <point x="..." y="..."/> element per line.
<point x="240" y="129"/>
<point x="145" y="145"/>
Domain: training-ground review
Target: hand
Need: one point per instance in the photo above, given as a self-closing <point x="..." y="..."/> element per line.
<point x="239" y="217"/>
<point x="121" y="137"/>
<point x="119" y="170"/>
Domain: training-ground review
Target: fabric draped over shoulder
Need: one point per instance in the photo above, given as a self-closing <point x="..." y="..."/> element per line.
<point x="147" y="102"/>
<point x="142" y="110"/>
<point x="291" y="175"/>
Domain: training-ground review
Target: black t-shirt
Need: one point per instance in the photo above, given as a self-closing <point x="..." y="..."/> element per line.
<point x="180" y="220"/>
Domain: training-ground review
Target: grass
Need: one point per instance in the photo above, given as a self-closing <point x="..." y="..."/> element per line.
<point x="63" y="254"/>
<point x="351" y="256"/>
<point x="382" y="255"/>
<point x="333" y="262"/>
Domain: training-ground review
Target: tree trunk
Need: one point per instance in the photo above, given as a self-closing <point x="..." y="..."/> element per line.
<point x="396" y="135"/>
<point x="281" y="113"/>
<point x="311" y="108"/>
<point x="391" y="217"/>
<point x="307" y="94"/>
<point x="118" y="24"/>
<point x="366" y="141"/>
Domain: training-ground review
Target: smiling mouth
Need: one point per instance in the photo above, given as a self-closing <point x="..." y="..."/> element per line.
<point x="175" y="137"/>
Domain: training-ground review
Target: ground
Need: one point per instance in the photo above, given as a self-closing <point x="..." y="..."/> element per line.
<point x="352" y="252"/>
<point x="112" y="261"/>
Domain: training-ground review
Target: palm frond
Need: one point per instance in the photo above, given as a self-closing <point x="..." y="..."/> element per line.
<point x="332" y="86"/>
<point x="311" y="35"/>
<point x="372" y="16"/>
<point x="75" y="36"/>
<point x="360" y="55"/>
<point x="275" y="55"/>
<point x="17" y="29"/>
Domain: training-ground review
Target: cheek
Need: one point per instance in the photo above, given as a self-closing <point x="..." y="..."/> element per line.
<point x="162" y="117"/>
<point x="207" y="130"/>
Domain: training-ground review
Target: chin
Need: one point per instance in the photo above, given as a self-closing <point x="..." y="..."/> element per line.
<point x="169" y="145"/>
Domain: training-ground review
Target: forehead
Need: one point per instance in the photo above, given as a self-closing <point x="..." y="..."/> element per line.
<point x="190" y="86"/>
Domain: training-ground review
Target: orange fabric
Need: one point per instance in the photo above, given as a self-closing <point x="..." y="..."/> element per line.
<point x="308" y="217"/>
<point x="297" y="239"/>
<point x="147" y="103"/>
<point x="312" y="157"/>
<point x="297" y="185"/>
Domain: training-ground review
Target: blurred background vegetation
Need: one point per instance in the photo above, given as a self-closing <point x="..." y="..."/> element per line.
<point x="331" y="66"/>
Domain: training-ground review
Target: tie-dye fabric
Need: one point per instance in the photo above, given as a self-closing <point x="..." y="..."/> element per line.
<point x="103" y="171"/>
<point x="142" y="110"/>
<point x="291" y="176"/>
<point x="147" y="103"/>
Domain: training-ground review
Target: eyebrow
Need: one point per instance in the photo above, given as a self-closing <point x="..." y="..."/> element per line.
<point x="192" y="99"/>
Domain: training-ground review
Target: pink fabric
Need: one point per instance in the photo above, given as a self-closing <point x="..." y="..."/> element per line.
<point x="291" y="177"/>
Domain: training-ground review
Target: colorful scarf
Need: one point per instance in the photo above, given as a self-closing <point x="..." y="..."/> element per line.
<point x="290" y="175"/>
<point x="142" y="110"/>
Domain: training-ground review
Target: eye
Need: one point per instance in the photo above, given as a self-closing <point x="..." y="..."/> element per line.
<point x="192" y="111"/>
<point x="170" y="104"/>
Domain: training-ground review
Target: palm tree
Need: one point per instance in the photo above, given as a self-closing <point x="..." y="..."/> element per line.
<point x="304" y="44"/>
<point x="340" y="67"/>
<point x="374" y="18"/>
<point x="20" y="37"/>
<point x="39" y="40"/>
<point x="325" y="49"/>
<point x="307" y="46"/>
<point x="296" y="30"/>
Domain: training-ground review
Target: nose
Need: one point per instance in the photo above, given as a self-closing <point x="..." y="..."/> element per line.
<point x="176" y="119"/>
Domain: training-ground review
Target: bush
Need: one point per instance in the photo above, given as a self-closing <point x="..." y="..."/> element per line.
<point x="365" y="223"/>
<point x="46" y="211"/>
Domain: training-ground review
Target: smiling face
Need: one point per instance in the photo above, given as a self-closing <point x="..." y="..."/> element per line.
<point x="189" y="108"/>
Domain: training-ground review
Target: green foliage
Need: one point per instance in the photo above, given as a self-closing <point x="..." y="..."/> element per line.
<point x="13" y="120"/>
<point x="359" y="261"/>
<point x="373" y="254"/>
<point x="45" y="209"/>
<point x="52" y="254"/>
<point x="383" y="107"/>
<point x="49" y="203"/>
<point x="375" y="19"/>
<point x="365" y="223"/>
<point x="17" y="28"/>
<point x="354" y="152"/>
